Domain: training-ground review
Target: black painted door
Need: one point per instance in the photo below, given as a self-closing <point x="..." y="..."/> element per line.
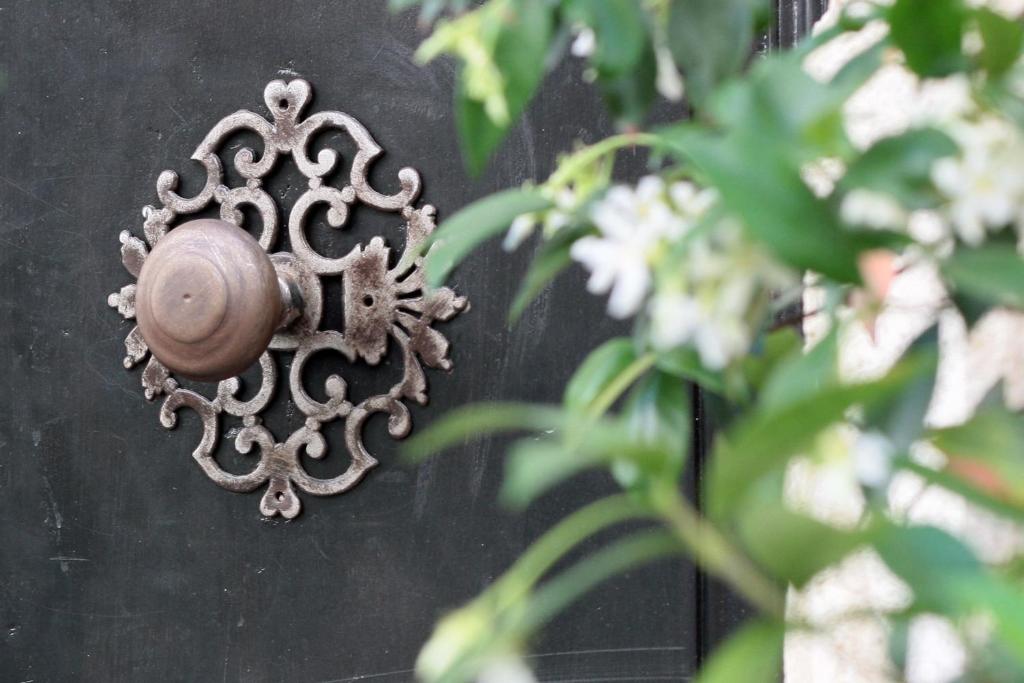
<point x="119" y="559"/>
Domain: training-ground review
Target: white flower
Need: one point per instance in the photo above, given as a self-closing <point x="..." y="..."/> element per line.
<point x="467" y="637"/>
<point x="872" y="209"/>
<point x="691" y="201"/>
<point x="677" y="319"/>
<point x="674" y="319"/>
<point x="669" y="82"/>
<point x="633" y="224"/>
<point x="509" y="669"/>
<point x="559" y="216"/>
<point x="943" y="100"/>
<point x="521" y="228"/>
<point x="1011" y="9"/>
<point x="872" y="459"/>
<point x="985" y="184"/>
<point x="454" y="636"/>
<point x="553" y="219"/>
<point x="584" y="44"/>
<point x="821" y="175"/>
<point x="929" y="227"/>
<point x="714" y="294"/>
<point x="617" y="265"/>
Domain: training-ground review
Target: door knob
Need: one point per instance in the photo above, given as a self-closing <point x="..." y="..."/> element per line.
<point x="209" y="300"/>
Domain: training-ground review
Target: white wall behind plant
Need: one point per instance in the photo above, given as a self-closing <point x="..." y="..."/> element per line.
<point x="852" y="643"/>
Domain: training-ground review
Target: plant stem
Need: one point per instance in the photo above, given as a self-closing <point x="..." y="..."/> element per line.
<point x="709" y="547"/>
<point x="560" y="539"/>
<point x="588" y="155"/>
<point x="561" y="591"/>
<point x="622" y="381"/>
<point x="718" y="556"/>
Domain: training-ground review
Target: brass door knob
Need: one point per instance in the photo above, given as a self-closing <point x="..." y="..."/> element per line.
<point x="209" y="300"/>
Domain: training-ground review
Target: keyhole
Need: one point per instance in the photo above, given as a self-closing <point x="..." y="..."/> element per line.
<point x="187" y="297"/>
<point x="282" y="103"/>
<point x="367" y="300"/>
<point x="279" y="496"/>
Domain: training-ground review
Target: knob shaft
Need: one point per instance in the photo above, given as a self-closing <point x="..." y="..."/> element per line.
<point x="209" y="300"/>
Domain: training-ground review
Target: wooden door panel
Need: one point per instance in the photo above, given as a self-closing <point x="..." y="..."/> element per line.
<point x="120" y="560"/>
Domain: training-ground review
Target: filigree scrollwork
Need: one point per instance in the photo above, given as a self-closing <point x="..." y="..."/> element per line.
<point x="381" y="302"/>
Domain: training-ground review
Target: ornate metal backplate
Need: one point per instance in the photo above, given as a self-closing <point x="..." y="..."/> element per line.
<point x="381" y="301"/>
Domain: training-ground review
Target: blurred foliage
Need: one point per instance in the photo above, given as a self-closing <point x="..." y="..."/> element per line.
<point x="704" y="255"/>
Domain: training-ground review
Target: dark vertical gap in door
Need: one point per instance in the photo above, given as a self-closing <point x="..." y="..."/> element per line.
<point x="701" y="646"/>
<point x="793" y="19"/>
<point x="719" y="610"/>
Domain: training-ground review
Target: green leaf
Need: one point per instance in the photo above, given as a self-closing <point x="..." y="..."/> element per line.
<point x="553" y="259"/>
<point x="483" y="418"/>
<point x="901" y="166"/>
<point x="1002" y="39"/>
<point x="628" y="96"/>
<point x="469" y="637"/>
<point x="932" y="562"/>
<point x="472" y="225"/>
<point x="989" y="273"/>
<point x="621" y="556"/>
<point x="534" y="466"/>
<point x="855" y="73"/>
<point x="776" y="120"/>
<point x="751" y="655"/>
<point x="792" y="546"/>
<point x="710" y="41"/>
<point x="401" y="5"/>
<point x="777" y="208"/>
<point x="765" y="440"/>
<point x="1005" y="601"/>
<point x="990" y="445"/>
<point x="509" y="589"/>
<point x="520" y="51"/>
<point x="657" y="413"/>
<point x="1001" y="95"/>
<point x="647" y="443"/>
<point x="899" y="642"/>
<point x="429" y="9"/>
<point x="801" y="373"/>
<point x="930" y="34"/>
<point x="957" y="484"/>
<point x="479" y="136"/>
<point x="684" y="362"/>
<point x="522" y="48"/>
<point x="793" y="115"/>
<point x="597" y="372"/>
<point x="620" y="31"/>
<point x="901" y="417"/>
<point x="774" y="347"/>
<point x="971" y="308"/>
<point x="992" y="434"/>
